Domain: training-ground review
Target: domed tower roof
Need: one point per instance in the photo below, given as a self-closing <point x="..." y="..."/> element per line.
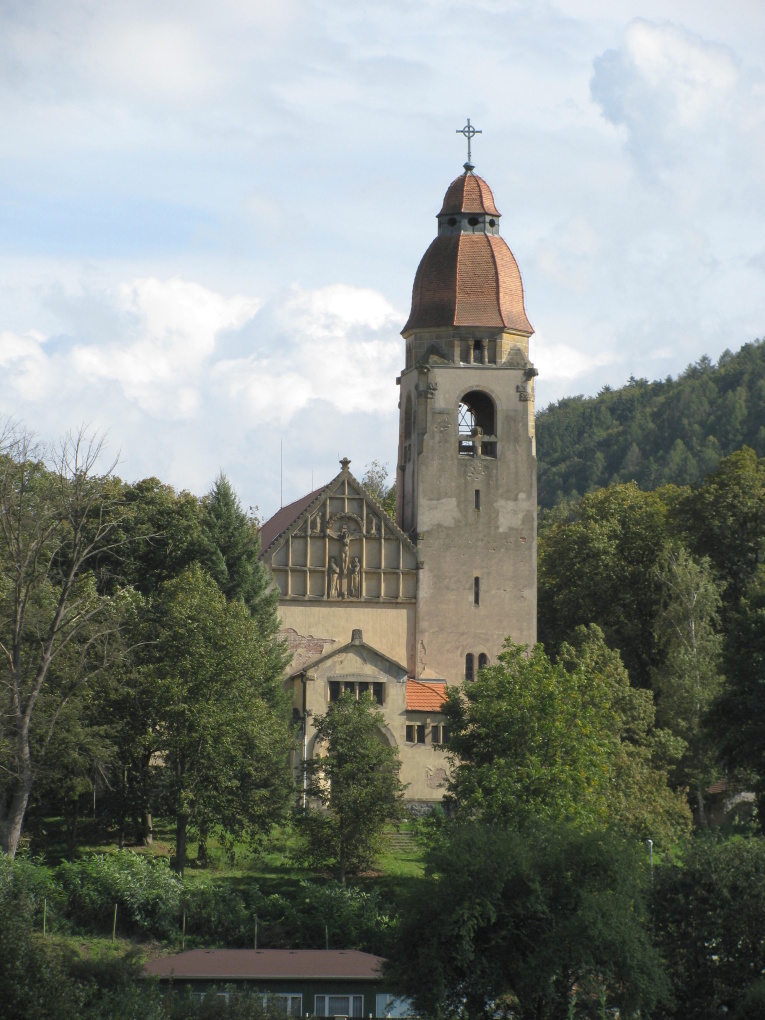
<point x="468" y="276"/>
<point x="469" y="193"/>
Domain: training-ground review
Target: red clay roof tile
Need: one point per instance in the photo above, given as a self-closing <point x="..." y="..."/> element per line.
<point x="468" y="280"/>
<point x="469" y="193"/>
<point x="425" y="696"/>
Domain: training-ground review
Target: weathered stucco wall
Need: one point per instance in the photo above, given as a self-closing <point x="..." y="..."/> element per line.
<point x="314" y="628"/>
<point x="424" y="766"/>
<point x="473" y="515"/>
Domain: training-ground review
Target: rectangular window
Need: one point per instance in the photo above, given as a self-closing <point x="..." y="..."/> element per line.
<point x="357" y="688"/>
<point x="435" y="733"/>
<point x="476" y="591"/>
<point x="339" y="1005"/>
<point x="285" y="1005"/>
<point x="415" y="734"/>
<point x="478" y="499"/>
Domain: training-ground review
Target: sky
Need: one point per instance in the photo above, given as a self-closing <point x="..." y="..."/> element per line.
<point x="211" y="211"/>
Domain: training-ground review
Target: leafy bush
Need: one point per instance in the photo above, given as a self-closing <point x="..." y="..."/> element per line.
<point x="33" y="882"/>
<point x="147" y="893"/>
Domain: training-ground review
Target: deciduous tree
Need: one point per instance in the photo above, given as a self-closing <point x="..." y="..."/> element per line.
<point x="354" y="778"/>
<point x="689" y="677"/>
<point x="58" y="512"/>
<point x="563" y="741"/>
<point x="538" y="924"/>
<point x="223" y="725"/>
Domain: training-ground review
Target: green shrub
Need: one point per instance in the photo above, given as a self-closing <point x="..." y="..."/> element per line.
<point x="147" y="893"/>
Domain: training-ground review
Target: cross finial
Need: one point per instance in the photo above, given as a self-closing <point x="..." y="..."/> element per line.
<point x="469" y="132"/>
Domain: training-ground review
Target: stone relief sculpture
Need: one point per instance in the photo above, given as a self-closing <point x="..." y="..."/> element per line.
<point x="345" y="555"/>
<point x="333" y="572"/>
<point x="355" y="578"/>
<point x="372" y="526"/>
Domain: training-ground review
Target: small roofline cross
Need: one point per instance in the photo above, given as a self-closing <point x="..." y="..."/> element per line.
<point x="469" y="132"/>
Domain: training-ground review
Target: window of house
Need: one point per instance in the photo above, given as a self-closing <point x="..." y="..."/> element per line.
<point x="439" y="734"/>
<point x="469" y="666"/>
<point x="285" y="1005"/>
<point x="339" y="1005"/>
<point x="393" y="1006"/>
<point x="483" y="660"/>
<point x="415" y="733"/>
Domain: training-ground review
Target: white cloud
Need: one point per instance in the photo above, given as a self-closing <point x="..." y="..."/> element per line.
<point x="197" y="374"/>
<point x="671" y="90"/>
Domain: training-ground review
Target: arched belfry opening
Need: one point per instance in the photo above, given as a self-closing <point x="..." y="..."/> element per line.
<point x="477" y="425"/>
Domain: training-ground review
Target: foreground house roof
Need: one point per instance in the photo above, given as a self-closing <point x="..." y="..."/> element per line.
<point x="271" y="964"/>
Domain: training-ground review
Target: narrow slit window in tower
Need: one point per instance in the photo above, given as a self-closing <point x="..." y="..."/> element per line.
<point x="476" y="591"/>
<point x="483" y="660"/>
<point x="478" y="499"/>
<point x="469" y="666"/>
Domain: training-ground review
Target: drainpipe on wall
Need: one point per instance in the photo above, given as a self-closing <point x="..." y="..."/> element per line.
<point x="305" y="676"/>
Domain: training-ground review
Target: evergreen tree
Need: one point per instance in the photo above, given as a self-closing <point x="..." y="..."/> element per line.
<point x="231" y="556"/>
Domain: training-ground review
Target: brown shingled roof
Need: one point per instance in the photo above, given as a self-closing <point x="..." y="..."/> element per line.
<point x="422" y="696"/>
<point x="469" y="194"/>
<point x="282" y="519"/>
<point x="468" y="280"/>
<point x="253" y="964"/>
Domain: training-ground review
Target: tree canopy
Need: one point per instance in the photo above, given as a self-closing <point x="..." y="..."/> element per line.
<point x="354" y="777"/>
<point x="654" y="433"/>
<point x="567" y="741"/>
<point x="537" y="924"/>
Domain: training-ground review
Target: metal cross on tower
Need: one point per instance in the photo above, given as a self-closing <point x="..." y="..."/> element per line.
<point x="469" y="132"/>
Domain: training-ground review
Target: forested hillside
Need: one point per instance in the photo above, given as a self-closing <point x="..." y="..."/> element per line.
<point x="654" y="433"/>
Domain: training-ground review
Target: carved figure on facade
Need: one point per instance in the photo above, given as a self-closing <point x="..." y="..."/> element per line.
<point x="316" y="524"/>
<point x="372" y="522"/>
<point x="345" y="554"/>
<point x="333" y="578"/>
<point x="355" y="578"/>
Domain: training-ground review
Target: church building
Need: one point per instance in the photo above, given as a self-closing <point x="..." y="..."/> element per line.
<point x="401" y="609"/>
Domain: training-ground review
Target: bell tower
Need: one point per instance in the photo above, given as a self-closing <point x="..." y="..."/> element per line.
<point x="467" y="480"/>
